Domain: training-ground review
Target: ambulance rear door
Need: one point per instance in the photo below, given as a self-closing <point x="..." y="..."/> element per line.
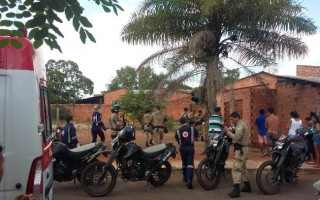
<point x="2" y="110"/>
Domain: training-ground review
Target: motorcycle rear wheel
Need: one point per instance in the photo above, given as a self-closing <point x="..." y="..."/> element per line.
<point x="92" y="173"/>
<point x="161" y="175"/>
<point x="207" y="178"/>
<point x="266" y="180"/>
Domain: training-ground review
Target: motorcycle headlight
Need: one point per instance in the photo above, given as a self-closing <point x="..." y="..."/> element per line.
<point x="279" y="145"/>
<point x="214" y="143"/>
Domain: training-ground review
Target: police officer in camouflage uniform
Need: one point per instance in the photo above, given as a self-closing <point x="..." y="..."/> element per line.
<point x="115" y="122"/>
<point x="147" y="127"/>
<point x="199" y="119"/>
<point x="159" y="123"/>
<point x="185" y="114"/>
<point x="192" y="119"/>
<point x="241" y="142"/>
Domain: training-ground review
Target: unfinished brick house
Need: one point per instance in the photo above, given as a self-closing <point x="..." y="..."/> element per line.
<point x="83" y="108"/>
<point x="284" y="93"/>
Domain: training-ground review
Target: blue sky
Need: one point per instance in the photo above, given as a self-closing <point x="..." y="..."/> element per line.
<point x="313" y="7"/>
<point x="100" y="61"/>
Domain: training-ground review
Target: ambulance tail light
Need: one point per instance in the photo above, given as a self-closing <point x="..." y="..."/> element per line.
<point x="35" y="179"/>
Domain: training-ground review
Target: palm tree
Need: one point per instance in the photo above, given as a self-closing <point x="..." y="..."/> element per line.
<point x="199" y="35"/>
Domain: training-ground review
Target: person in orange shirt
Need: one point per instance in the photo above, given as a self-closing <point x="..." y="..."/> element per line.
<point x="272" y="124"/>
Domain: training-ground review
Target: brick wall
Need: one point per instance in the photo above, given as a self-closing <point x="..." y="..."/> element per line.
<point x="177" y="95"/>
<point x="308" y="71"/>
<point x="302" y="98"/>
<point x="261" y="78"/>
<point x="83" y="112"/>
<point x="242" y="96"/>
<point x="261" y="98"/>
<point x="175" y="108"/>
<point x="248" y="102"/>
<point x="113" y="96"/>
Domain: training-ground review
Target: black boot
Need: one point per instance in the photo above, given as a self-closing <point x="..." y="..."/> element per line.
<point x="247" y="187"/>
<point x="235" y="192"/>
<point x="189" y="184"/>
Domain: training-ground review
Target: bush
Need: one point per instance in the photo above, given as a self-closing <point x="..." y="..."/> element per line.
<point x="171" y="125"/>
<point x="63" y="113"/>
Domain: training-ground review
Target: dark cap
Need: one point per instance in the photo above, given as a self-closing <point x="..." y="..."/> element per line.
<point x="183" y="120"/>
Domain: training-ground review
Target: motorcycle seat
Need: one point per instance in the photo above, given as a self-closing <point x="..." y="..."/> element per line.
<point x="84" y="147"/>
<point x="155" y="150"/>
<point x="62" y="150"/>
<point x="299" y="146"/>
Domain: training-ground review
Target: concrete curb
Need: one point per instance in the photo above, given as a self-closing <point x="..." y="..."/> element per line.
<point x="253" y="171"/>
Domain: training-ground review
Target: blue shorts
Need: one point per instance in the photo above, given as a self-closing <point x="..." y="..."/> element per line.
<point x="316" y="139"/>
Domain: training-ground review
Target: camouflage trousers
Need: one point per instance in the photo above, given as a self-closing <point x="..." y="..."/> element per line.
<point x="239" y="169"/>
<point x="158" y="135"/>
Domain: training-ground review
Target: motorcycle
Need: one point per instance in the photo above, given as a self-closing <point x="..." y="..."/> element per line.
<point x="68" y="164"/>
<point x="210" y="169"/>
<point x="132" y="164"/>
<point x="288" y="155"/>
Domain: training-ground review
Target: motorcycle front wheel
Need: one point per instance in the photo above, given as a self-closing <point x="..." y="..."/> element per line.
<point x="208" y="177"/>
<point x="267" y="180"/>
<point x="90" y="179"/>
<point x="161" y="175"/>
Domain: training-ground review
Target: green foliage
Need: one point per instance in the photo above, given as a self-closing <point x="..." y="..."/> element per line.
<point x="205" y="33"/>
<point x="172" y="125"/>
<point x="127" y="77"/>
<point x="66" y="82"/>
<point x="230" y="76"/>
<point x="63" y="113"/>
<point x="40" y="18"/>
<point x="135" y="104"/>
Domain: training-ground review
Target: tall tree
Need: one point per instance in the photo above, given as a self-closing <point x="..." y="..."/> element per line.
<point x="135" y="104"/>
<point x="127" y="77"/>
<point x="66" y="82"/>
<point x="40" y="18"/>
<point x="204" y="33"/>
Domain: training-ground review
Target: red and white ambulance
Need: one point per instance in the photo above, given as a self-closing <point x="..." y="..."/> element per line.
<point x="25" y="124"/>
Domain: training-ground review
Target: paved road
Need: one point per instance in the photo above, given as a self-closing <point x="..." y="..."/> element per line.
<point x="175" y="189"/>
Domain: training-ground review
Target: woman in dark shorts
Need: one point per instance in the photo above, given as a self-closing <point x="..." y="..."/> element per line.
<point x="316" y="138"/>
<point x="311" y="153"/>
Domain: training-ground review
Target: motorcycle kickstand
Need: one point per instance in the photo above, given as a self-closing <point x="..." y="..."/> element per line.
<point x="74" y="184"/>
<point x="148" y="186"/>
<point x="298" y="182"/>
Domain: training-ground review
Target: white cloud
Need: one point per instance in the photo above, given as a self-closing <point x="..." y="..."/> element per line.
<point x="99" y="61"/>
<point x="288" y="67"/>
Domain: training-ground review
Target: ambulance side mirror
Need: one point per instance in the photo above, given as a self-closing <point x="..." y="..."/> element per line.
<point x="40" y="128"/>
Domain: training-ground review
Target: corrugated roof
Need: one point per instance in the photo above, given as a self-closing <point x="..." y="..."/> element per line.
<point x="91" y="100"/>
<point x="300" y="78"/>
